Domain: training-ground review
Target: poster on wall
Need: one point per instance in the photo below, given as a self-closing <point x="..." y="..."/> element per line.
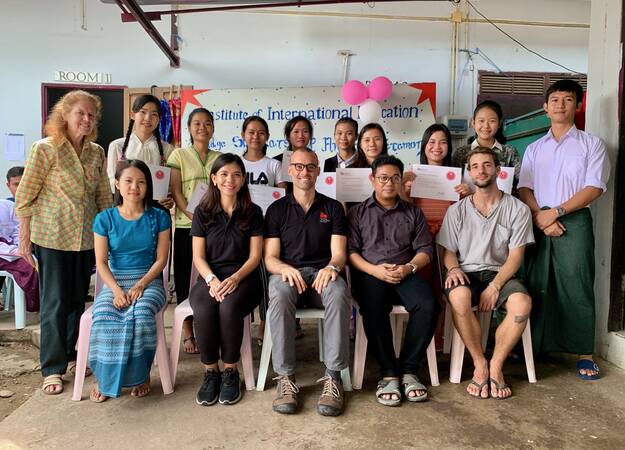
<point x="405" y="116"/>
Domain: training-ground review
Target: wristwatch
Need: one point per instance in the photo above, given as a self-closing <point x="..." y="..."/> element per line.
<point x="335" y="268"/>
<point x="210" y="277"/>
<point x="413" y="267"/>
<point x="561" y="211"/>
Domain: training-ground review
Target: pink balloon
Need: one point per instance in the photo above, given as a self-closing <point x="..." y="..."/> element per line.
<point x="380" y="88"/>
<point x="354" y="92"/>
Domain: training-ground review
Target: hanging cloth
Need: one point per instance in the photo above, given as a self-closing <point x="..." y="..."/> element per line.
<point x="175" y="107"/>
<point x="166" y="122"/>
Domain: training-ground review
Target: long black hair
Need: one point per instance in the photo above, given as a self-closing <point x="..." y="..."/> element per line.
<point x="143" y="167"/>
<point x="427" y="134"/>
<point x="496" y="108"/>
<point x="198" y="111"/>
<point x="361" y="159"/>
<point x="288" y="128"/>
<point x="139" y="103"/>
<point x="260" y="120"/>
<point x="211" y="202"/>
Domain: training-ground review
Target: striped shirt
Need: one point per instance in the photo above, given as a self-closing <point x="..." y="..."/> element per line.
<point x="192" y="171"/>
<point x="62" y="193"/>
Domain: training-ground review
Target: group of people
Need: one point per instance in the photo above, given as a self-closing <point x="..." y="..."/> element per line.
<point x="296" y="255"/>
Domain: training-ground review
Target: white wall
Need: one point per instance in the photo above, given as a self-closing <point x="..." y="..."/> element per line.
<point x="266" y="50"/>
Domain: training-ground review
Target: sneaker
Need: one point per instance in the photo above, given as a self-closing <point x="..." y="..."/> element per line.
<point x="331" y="400"/>
<point x="209" y="391"/>
<point x="286" y="401"/>
<point x="230" y="387"/>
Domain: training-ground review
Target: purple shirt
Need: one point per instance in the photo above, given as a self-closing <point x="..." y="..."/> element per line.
<point x="391" y="236"/>
<point x="556" y="171"/>
<point x="9" y="228"/>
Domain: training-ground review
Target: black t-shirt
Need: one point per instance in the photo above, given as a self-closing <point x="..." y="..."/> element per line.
<point x="227" y="244"/>
<point x="305" y="238"/>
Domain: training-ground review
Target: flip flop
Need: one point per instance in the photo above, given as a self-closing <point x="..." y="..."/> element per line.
<point x="480" y="386"/>
<point x="71" y="369"/>
<point x="388" y="387"/>
<point x="499" y="386"/>
<point x="587" y="364"/>
<point x="52" y="380"/>
<point x="190" y="338"/>
<point x="96" y="396"/>
<point x="411" y="383"/>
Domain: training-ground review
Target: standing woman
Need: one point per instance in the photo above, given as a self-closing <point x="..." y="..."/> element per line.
<point x="298" y="132"/>
<point x="63" y="187"/>
<point x="227" y="247"/>
<point x="189" y="167"/>
<point x="142" y="141"/>
<point x="131" y="247"/>
<point x="259" y="168"/>
<point x="371" y="144"/>
<point x="345" y="134"/>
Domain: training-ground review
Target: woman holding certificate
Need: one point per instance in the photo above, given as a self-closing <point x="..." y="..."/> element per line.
<point x="190" y="167"/>
<point x="227" y="235"/>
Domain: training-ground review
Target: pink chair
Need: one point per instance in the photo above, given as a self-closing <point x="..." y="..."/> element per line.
<point x="184" y="310"/>
<point x="398" y="315"/>
<point x="162" y="357"/>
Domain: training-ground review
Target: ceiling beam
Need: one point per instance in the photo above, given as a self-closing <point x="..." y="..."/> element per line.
<point x="140" y="16"/>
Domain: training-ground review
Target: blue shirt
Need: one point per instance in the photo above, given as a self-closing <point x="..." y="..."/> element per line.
<point x="132" y="243"/>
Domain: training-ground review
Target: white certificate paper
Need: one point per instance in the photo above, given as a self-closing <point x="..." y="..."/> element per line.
<point x="435" y="182"/>
<point x="160" y="181"/>
<point x="504" y="180"/>
<point x="264" y="195"/>
<point x="326" y="184"/>
<point x="196" y="198"/>
<point x="353" y="185"/>
<point x="286" y="162"/>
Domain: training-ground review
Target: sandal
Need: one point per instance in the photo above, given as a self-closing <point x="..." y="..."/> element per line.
<point x="388" y="387"/>
<point x="95" y="395"/>
<point x="480" y="386"/>
<point x="52" y="380"/>
<point x="192" y="339"/>
<point x="587" y="364"/>
<point x="141" y="390"/>
<point x="71" y="369"/>
<point x="499" y="387"/>
<point x="411" y="383"/>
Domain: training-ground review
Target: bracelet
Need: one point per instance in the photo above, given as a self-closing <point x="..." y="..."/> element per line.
<point x="332" y="267"/>
<point x="492" y="283"/>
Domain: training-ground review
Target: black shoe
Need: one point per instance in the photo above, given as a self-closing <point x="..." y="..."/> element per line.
<point x="230" y="387"/>
<point x="209" y="391"/>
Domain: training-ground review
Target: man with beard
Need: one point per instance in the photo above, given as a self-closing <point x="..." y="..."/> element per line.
<point x="484" y="236"/>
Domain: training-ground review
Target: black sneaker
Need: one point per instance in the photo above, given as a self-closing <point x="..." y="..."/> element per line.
<point x="230" y="387"/>
<point x="209" y="391"/>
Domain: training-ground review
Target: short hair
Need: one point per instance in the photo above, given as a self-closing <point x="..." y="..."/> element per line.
<point x="56" y="125"/>
<point x="566" y="86"/>
<point x="387" y="160"/>
<point x="306" y="150"/>
<point x="16" y="171"/>
<point x="143" y="167"/>
<point x="484" y="151"/>
<point x="348" y="121"/>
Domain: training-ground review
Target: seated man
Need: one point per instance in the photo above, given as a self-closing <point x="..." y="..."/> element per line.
<point x="24" y="274"/>
<point x="484" y="236"/>
<point x="389" y="242"/>
<point x="305" y="243"/>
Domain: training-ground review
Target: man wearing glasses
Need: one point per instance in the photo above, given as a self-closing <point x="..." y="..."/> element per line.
<point x="305" y="250"/>
<point x="389" y="243"/>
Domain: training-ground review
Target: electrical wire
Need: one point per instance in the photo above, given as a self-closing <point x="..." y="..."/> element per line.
<point x="520" y="43"/>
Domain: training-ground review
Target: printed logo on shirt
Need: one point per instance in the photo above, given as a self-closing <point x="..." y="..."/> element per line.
<point x="261" y="179"/>
<point x="324" y="218"/>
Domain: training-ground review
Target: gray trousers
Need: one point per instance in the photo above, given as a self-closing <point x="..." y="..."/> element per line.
<point x="283" y="302"/>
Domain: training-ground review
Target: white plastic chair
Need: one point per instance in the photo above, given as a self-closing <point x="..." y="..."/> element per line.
<point x="15" y="295"/>
<point x="398" y="315"/>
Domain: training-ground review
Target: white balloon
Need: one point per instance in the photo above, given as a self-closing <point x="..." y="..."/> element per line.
<point x="370" y="111"/>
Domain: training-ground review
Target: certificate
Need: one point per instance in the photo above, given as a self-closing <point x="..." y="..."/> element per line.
<point x="264" y="195"/>
<point x="196" y="198"/>
<point x="326" y="184"/>
<point x="160" y="181"/>
<point x="353" y="185"/>
<point x="435" y="182"/>
<point x="504" y="180"/>
<point x="286" y="162"/>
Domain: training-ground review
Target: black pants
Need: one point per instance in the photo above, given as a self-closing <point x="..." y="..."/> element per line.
<point x="219" y="325"/>
<point x="183" y="260"/>
<point x="64" y="278"/>
<point x="376" y="299"/>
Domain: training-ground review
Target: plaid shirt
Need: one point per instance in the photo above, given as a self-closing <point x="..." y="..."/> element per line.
<point x="62" y="193"/>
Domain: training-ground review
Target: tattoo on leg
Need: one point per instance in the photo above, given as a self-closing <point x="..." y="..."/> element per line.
<point x="521" y="319"/>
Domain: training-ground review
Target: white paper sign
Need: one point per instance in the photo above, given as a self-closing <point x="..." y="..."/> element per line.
<point x="14" y="147"/>
<point x="160" y="181"/>
<point x="435" y="182"/>
<point x="196" y="198"/>
<point x="286" y="162"/>
<point x="264" y="195"/>
<point x="504" y="180"/>
<point x="353" y="185"/>
<point x="326" y="184"/>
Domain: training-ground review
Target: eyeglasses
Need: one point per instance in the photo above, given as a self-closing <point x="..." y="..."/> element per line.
<point x="383" y="179"/>
<point x="309" y="167"/>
